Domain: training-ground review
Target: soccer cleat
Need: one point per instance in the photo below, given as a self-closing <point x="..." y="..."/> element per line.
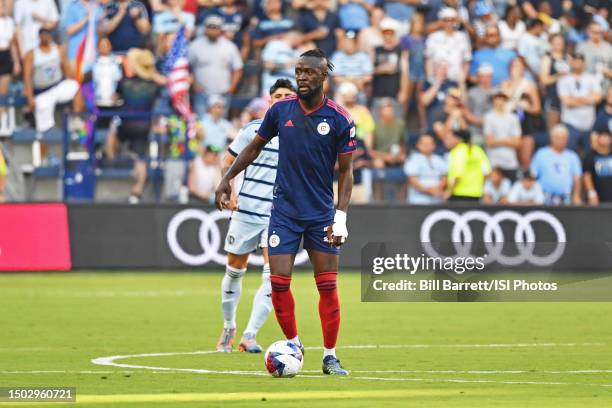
<point x="249" y="344"/>
<point x="332" y="366"/>
<point x="224" y="345"/>
<point x="299" y="345"/>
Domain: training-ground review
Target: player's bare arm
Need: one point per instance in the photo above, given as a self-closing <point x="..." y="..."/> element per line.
<point x="345" y="187"/>
<point x="247" y="156"/>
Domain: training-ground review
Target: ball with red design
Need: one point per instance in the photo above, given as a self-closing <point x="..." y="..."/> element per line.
<point x="283" y="359"/>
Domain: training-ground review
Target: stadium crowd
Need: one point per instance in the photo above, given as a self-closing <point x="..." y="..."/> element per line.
<point x="488" y="100"/>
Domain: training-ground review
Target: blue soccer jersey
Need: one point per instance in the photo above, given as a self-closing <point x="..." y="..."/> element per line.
<point x="309" y="144"/>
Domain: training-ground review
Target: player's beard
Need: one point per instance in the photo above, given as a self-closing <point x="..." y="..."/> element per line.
<point x="310" y="94"/>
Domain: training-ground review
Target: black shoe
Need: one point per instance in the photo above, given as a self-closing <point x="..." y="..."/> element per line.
<point x="332" y="366"/>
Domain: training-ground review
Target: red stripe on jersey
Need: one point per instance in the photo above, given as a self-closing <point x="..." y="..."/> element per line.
<point x="340" y="110"/>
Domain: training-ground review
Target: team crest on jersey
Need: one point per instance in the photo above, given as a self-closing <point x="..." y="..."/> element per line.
<point x="274" y="240"/>
<point x="323" y="128"/>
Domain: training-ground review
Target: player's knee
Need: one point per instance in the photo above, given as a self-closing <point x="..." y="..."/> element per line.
<point x="237" y="261"/>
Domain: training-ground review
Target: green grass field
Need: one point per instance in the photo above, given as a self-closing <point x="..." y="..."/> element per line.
<point x="400" y="354"/>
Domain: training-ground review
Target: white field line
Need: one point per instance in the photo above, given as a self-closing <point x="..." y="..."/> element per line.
<point x="112" y="361"/>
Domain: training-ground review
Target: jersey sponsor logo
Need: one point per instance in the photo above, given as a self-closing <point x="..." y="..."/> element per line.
<point x="289" y="123"/>
<point x="323" y="128"/>
<point x="274" y="241"/>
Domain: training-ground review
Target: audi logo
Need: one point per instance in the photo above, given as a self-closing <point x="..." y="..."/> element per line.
<point x="210" y="239"/>
<point x="493" y="235"/>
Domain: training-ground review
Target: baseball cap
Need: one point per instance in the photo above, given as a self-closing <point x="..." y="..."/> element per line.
<point x="447" y="13"/>
<point x="454" y="92"/>
<point x="482" y="9"/>
<point x="485" y="69"/>
<point x="388" y="24"/>
<point x="214" y="21"/>
<point x="213" y="148"/>
<point x="216" y="100"/>
<point x="348" y="88"/>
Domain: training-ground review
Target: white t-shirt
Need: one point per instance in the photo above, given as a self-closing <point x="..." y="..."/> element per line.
<point x="207" y="177"/>
<point x="24" y="10"/>
<point x="455" y="49"/>
<point x="7" y="30"/>
<point x="580" y="117"/>
<point x="509" y="36"/>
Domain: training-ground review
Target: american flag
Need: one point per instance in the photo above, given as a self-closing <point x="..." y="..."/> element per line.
<point x="176" y="69"/>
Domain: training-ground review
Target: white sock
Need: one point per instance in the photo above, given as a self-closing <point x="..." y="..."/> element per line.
<point x="231" y="288"/>
<point x="329" y="352"/>
<point x="262" y="304"/>
<point x="296" y="341"/>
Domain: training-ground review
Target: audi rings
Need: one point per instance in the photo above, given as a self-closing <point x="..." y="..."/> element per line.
<point x="210" y="239"/>
<point x="493" y="235"/>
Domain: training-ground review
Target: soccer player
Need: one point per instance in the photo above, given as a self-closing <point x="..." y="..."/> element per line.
<point x="248" y="229"/>
<point x="314" y="132"/>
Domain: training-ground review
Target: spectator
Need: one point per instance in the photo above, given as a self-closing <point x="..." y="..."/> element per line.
<point x="511" y="28"/>
<point x="558" y="170"/>
<point x="75" y="21"/>
<point x="371" y="36"/>
<point x="353" y="14"/>
<point x="235" y="26"/>
<point x="597" y="169"/>
<point x="597" y="54"/>
<point x="47" y="80"/>
<point x="172" y="18"/>
<point x="389" y="151"/>
<point x="555" y="64"/>
<point x="533" y="47"/>
<point x="450" y="45"/>
<point x="274" y="24"/>
<point x="603" y="121"/>
<point x="390" y="78"/>
<point x="467" y="167"/>
<point x="485" y="18"/>
<point x="553" y="25"/>
<point x="126" y="23"/>
<point x="579" y="93"/>
<point x="526" y="191"/>
<point x="215" y="63"/>
<point x="414" y="44"/>
<point x="30" y="17"/>
<point x="138" y="90"/>
<point x="426" y="173"/>
<point x="321" y="25"/>
<point x="351" y="65"/>
<point x="524" y="100"/>
<point x="493" y="54"/>
<point x="215" y="129"/>
<point x="434" y="91"/>
<point x="364" y="122"/>
<point x="9" y="63"/>
<point x="106" y="75"/>
<point x="502" y="132"/>
<point x="278" y="59"/>
<point x="496" y="187"/>
<point x="205" y="174"/>
<point x="401" y="10"/>
<point x="480" y="102"/>
<point x="450" y="117"/>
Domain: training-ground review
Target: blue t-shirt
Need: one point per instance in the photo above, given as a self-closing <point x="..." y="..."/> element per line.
<point x="309" y="22"/>
<point x="309" y="144"/>
<point x="354" y="16"/>
<point x="556" y="171"/>
<point x="499" y="58"/>
<point x="126" y="35"/>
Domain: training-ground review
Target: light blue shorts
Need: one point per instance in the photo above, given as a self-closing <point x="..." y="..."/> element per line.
<point x="245" y="237"/>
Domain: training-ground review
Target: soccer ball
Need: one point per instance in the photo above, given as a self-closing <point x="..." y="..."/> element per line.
<point x="283" y="359"/>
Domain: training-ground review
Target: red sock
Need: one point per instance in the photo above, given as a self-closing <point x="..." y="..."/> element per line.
<point x="284" y="306"/>
<point x="329" y="307"/>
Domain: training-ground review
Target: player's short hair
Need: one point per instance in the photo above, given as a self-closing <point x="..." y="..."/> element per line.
<point x="318" y="53"/>
<point x="282" y="83"/>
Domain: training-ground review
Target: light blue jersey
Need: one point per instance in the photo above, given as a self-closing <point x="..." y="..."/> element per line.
<point x="429" y="170"/>
<point x="255" y="196"/>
